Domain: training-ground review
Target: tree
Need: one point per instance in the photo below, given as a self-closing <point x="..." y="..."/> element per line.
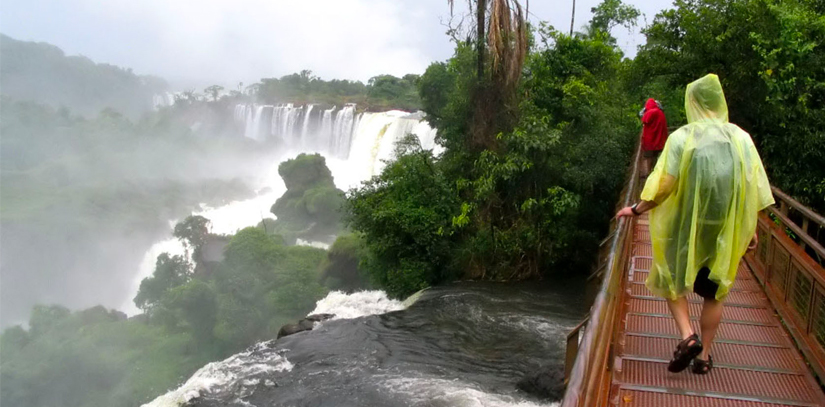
<point x="198" y="307"/>
<point x="610" y="13"/>
<point x="192" y="231"/>
<point x="214" y="91"/>
<point x="170" y="272"/>
<point x="45" y="318"/>
<point x="405" y="215"/>
<point x="311" y="204"/>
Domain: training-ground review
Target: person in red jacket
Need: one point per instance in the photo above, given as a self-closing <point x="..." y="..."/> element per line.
<point x="654" y="134"/>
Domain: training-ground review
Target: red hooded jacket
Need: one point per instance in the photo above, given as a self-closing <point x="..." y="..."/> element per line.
<point x="654" y="130"/>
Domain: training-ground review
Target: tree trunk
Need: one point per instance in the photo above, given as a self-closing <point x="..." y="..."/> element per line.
<point x="573" y="18"/>
<point x="481" y="9"/>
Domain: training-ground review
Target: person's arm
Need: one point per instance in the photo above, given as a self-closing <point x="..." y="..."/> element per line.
<point x="666" y="187"/>
<point x="754" y="241"/>
<point x="636" y="209"/>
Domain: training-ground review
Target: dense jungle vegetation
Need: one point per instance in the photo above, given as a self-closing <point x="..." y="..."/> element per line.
<point x="539" y="127"/>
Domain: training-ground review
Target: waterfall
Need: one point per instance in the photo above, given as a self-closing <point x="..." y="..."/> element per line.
<point x="292" y="115"/>
<point x="305" y="127"/>
<point x="326" y="125"/>
<point x="342" y="132"/>
<point x="256" y="124"/>
<point x="361" y="139"/>
<point x="249" y="130"/>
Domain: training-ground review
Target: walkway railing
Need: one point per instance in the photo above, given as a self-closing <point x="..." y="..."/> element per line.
<point x="589" y="360"/>
<point x="788" y="262"/>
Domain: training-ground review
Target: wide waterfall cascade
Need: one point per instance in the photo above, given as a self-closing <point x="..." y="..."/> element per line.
<point x="333" y="131"/>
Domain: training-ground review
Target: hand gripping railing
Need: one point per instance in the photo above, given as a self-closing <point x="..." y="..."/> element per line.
<point x="589" y="374"/>
<point x="788" y="261"/>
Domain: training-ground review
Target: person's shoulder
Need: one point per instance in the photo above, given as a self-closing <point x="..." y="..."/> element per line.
<point x="737" y="132"/>
<point x="681" y="132"/>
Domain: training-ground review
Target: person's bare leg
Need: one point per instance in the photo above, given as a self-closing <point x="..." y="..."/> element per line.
<point x="645" y="166"/>
<point x="681" y="314"/>
<point x="711" y="316"/>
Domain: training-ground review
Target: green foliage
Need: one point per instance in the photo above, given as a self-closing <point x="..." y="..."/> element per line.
<point x="213" y="92"/>
<point x="382" y="92"/>
<point x="769" y="57"/>
<point x="341" y="269"/>
<point x="610" y="13"/>
<point x="446" y="91"/>
<point x="97" y="357"/>
<point x="101" y="361"/>
<point x="197" y="306"/>
<point x="170" y="272"/>
<point x="192" y="231"/>
<point x="405" y="215"/>
<point x="311" y="205"/>
<point x="262" y="284"/>
<point x="533" y="201"/>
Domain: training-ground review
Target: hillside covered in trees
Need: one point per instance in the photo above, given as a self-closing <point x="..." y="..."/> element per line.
<point x="43" y="73"/>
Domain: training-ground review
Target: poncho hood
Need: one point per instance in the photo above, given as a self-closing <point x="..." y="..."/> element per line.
<point x="705" y="100"/>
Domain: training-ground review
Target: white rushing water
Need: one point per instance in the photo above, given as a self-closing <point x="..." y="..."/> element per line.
<point x="357" y="304"/>
<point x="214" y="377"/>
<point x="431" y="391"/>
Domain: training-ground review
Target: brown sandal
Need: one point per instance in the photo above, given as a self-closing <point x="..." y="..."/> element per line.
<point x="702" y="366"/>
<point x="685" y="352"/>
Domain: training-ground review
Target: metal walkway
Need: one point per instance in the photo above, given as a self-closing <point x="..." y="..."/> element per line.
<point x="756" y="363"/>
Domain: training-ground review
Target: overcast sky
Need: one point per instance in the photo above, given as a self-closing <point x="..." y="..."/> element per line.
<point x="200" y="42"/>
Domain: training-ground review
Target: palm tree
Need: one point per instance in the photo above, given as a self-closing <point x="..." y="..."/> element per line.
<point x="507" y="36"/>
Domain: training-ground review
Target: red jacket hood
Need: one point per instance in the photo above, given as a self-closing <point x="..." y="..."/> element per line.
<point x="651" y="104"/>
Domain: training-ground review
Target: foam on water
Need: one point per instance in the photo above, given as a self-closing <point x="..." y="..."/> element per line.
<point x="436" y="392"/>
<point x="312" y="243"/>
<point x="357" y="304"/>
<point x="230" y="375"/>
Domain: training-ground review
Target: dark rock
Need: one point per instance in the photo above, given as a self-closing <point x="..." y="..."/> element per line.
<point x="319" y="317"/>
<point x="305" y="324"/>
<point x="547" y="383"/>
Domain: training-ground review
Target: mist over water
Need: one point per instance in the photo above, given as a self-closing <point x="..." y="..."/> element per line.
<point x="355" y="147"/>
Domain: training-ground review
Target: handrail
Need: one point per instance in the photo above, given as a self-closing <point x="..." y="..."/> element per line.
<point x="793" y="203"/>
<point x="794" y="282"/>
<point x="584" y="386"/>
<point x="799" y="232"/>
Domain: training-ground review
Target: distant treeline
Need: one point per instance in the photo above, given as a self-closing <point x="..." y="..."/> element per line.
<point x="43" y="73"/>
<point x="382" y="92"/>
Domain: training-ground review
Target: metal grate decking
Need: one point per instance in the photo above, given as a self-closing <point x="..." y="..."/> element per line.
<point x="756" y="364"/>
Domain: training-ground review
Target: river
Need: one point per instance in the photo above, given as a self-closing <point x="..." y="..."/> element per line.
<point x="460" y="345"/>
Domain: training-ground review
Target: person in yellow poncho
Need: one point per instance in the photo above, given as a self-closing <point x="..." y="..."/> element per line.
<point x="703" y="196"/>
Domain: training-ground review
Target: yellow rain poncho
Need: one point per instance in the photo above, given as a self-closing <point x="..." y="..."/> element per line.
<point x="709" y="184"/>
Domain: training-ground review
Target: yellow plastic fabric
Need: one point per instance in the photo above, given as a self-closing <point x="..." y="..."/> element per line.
<point x="710" y="184"/>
